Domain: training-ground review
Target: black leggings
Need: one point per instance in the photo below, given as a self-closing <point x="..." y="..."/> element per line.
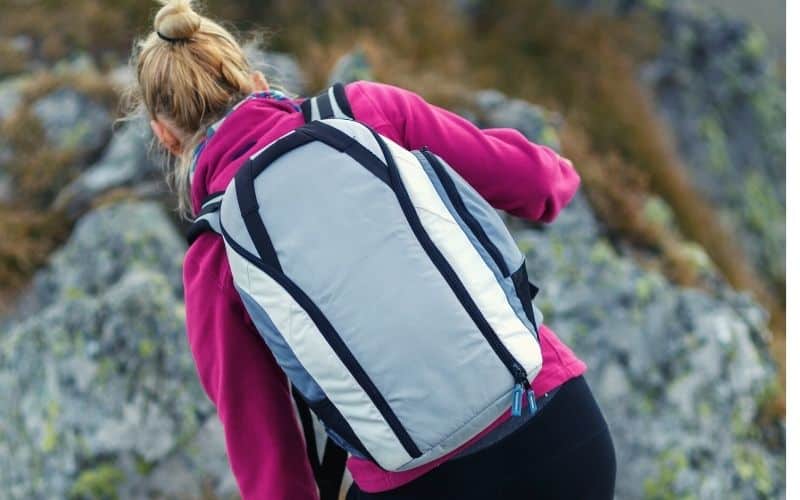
<point x="565" y="452"/>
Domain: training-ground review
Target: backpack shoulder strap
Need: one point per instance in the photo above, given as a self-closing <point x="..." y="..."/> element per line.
<point x="207" y="219"/>
<point x="332" y="103"/>
<point x="329" y="471"/>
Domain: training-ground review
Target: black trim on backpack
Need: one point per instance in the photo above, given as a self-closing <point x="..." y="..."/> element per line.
<point x="245" y="177"/>
<point x="246" y="194"/>
<point x="514" y="367"/>
<point x="308" y="429"/>
<point x="342" y="142"/>
<point x="248" y="204"/>
<point x="196" y="230"/>
<point x="341" y="99"/>
<point x="522" y="287"/>
<point x="324" y="106"/>
<point x="305" y="107"/>
<point x="331" y="136"/>
<point x="210" y="197"/>
<point x="533" y="289"/>
<point x="332" y="417"/>
<point x="458" y="203"/>
<point x="329" y="472"/>
<point x="201" y="225"/>
<point x="335" y="341"/>
<point x="211" y="207"/>
<point x="265" y="157"/>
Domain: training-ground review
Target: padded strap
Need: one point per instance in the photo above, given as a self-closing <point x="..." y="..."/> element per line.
<point x="332" y="103"/>
<point x="207" y="219"/>
<point x="330" y="472"/>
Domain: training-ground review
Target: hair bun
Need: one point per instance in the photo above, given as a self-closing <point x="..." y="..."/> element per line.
<point x="176" y="20"/>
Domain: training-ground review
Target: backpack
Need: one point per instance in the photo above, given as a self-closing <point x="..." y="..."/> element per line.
<point x="389" y="291"/>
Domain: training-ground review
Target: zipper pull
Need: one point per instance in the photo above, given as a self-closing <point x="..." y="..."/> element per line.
<point x="516" y="401"/>
<point x="532" y="402"/>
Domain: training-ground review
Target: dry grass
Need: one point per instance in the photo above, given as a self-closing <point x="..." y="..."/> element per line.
<point x="618" y="142"/>
<point x="28" y="238"/>
<point x="31" y="230"/>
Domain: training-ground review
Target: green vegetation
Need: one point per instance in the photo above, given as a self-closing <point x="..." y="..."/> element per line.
<point x="97" y="483"/>
<point x="661" y="487"/>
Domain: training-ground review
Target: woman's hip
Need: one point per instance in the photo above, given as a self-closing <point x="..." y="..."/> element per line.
<point x="564" y="452"/>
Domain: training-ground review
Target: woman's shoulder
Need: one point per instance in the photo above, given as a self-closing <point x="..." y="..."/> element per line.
<point x="382" y="95"/>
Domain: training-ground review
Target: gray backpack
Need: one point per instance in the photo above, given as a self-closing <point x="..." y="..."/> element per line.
<point x="388" y="290"/>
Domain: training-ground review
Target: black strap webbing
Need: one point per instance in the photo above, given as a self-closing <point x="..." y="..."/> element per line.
<point x="325" y="107"/>
<point x="330" y="472"/>
<point x="321" y="106"/>
<point x="207" y="219"/>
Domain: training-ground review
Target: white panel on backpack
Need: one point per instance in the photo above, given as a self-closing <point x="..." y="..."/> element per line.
<point x="456" y="247"/>
<point x="321" y="362"/>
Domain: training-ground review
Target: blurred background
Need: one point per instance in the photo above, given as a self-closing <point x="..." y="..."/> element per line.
<point x="666" y="273"/>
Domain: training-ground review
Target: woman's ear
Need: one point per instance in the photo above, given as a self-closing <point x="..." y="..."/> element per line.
<point x="166" y="136"/>
<point x="259" y="82"/>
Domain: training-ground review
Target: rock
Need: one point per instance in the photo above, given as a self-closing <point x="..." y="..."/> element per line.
<point x="725" y="105"/>
<point x="678" y="372"/>
<point x="351" y="67"/>
<point x="122" y="77"/>
<point x="80" y="63"/>
<point x="72" y="121"/>
<point x="23" y="44"/>
<point x="6" y="187"/>
<point x="125" y="163"/>
<point x="535" y="123"/>
<point x="10" y="96"/>
<point x="98" y="392"/>
<point x="279" y="68"/>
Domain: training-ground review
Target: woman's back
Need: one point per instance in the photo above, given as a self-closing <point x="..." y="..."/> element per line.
<point x="503" y="166"/>
<point x="192" y="73"/>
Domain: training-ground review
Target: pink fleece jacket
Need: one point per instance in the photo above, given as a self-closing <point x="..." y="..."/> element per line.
<point x="238" y="372"/>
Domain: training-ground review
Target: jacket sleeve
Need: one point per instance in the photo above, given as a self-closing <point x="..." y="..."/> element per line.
<point x="264" y="441"/>
<point x="513" y="174"/>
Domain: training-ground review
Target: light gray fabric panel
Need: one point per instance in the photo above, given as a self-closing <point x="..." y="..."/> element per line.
<point x="488" y="218"/>
<point x="321" y="362"/>
<point x="465" y="260"/>
<point x="356" y="250"/>
<point x="505" y="282"/>
<point x="283" y="353"/>
<point x="337" y="111"/>
<point x="359" y="132"/>
<point x="232" y="222"/>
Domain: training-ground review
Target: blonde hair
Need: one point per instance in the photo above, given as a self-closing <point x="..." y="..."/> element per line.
<point x="189" y="71"/>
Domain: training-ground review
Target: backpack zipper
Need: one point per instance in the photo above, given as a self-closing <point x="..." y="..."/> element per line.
<point x="522" y="386"/>
<point x="460" y="207"/>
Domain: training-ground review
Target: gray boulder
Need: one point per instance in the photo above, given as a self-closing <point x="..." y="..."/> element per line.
<point x="98" y="392"/>
<point x="127" y="162"/>
<point x="679" y="373"/>
<point x="351" y="67"/>
<point x="6" y="187"/>
<point x="73" y="121"/>
<point x="10" y="96"/>
<point x="495" y="109"/>
<point x="10" y="101"/>
<point x="719" y="91"/>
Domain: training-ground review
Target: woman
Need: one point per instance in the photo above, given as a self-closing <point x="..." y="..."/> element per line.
<point x="211" y="111"/>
